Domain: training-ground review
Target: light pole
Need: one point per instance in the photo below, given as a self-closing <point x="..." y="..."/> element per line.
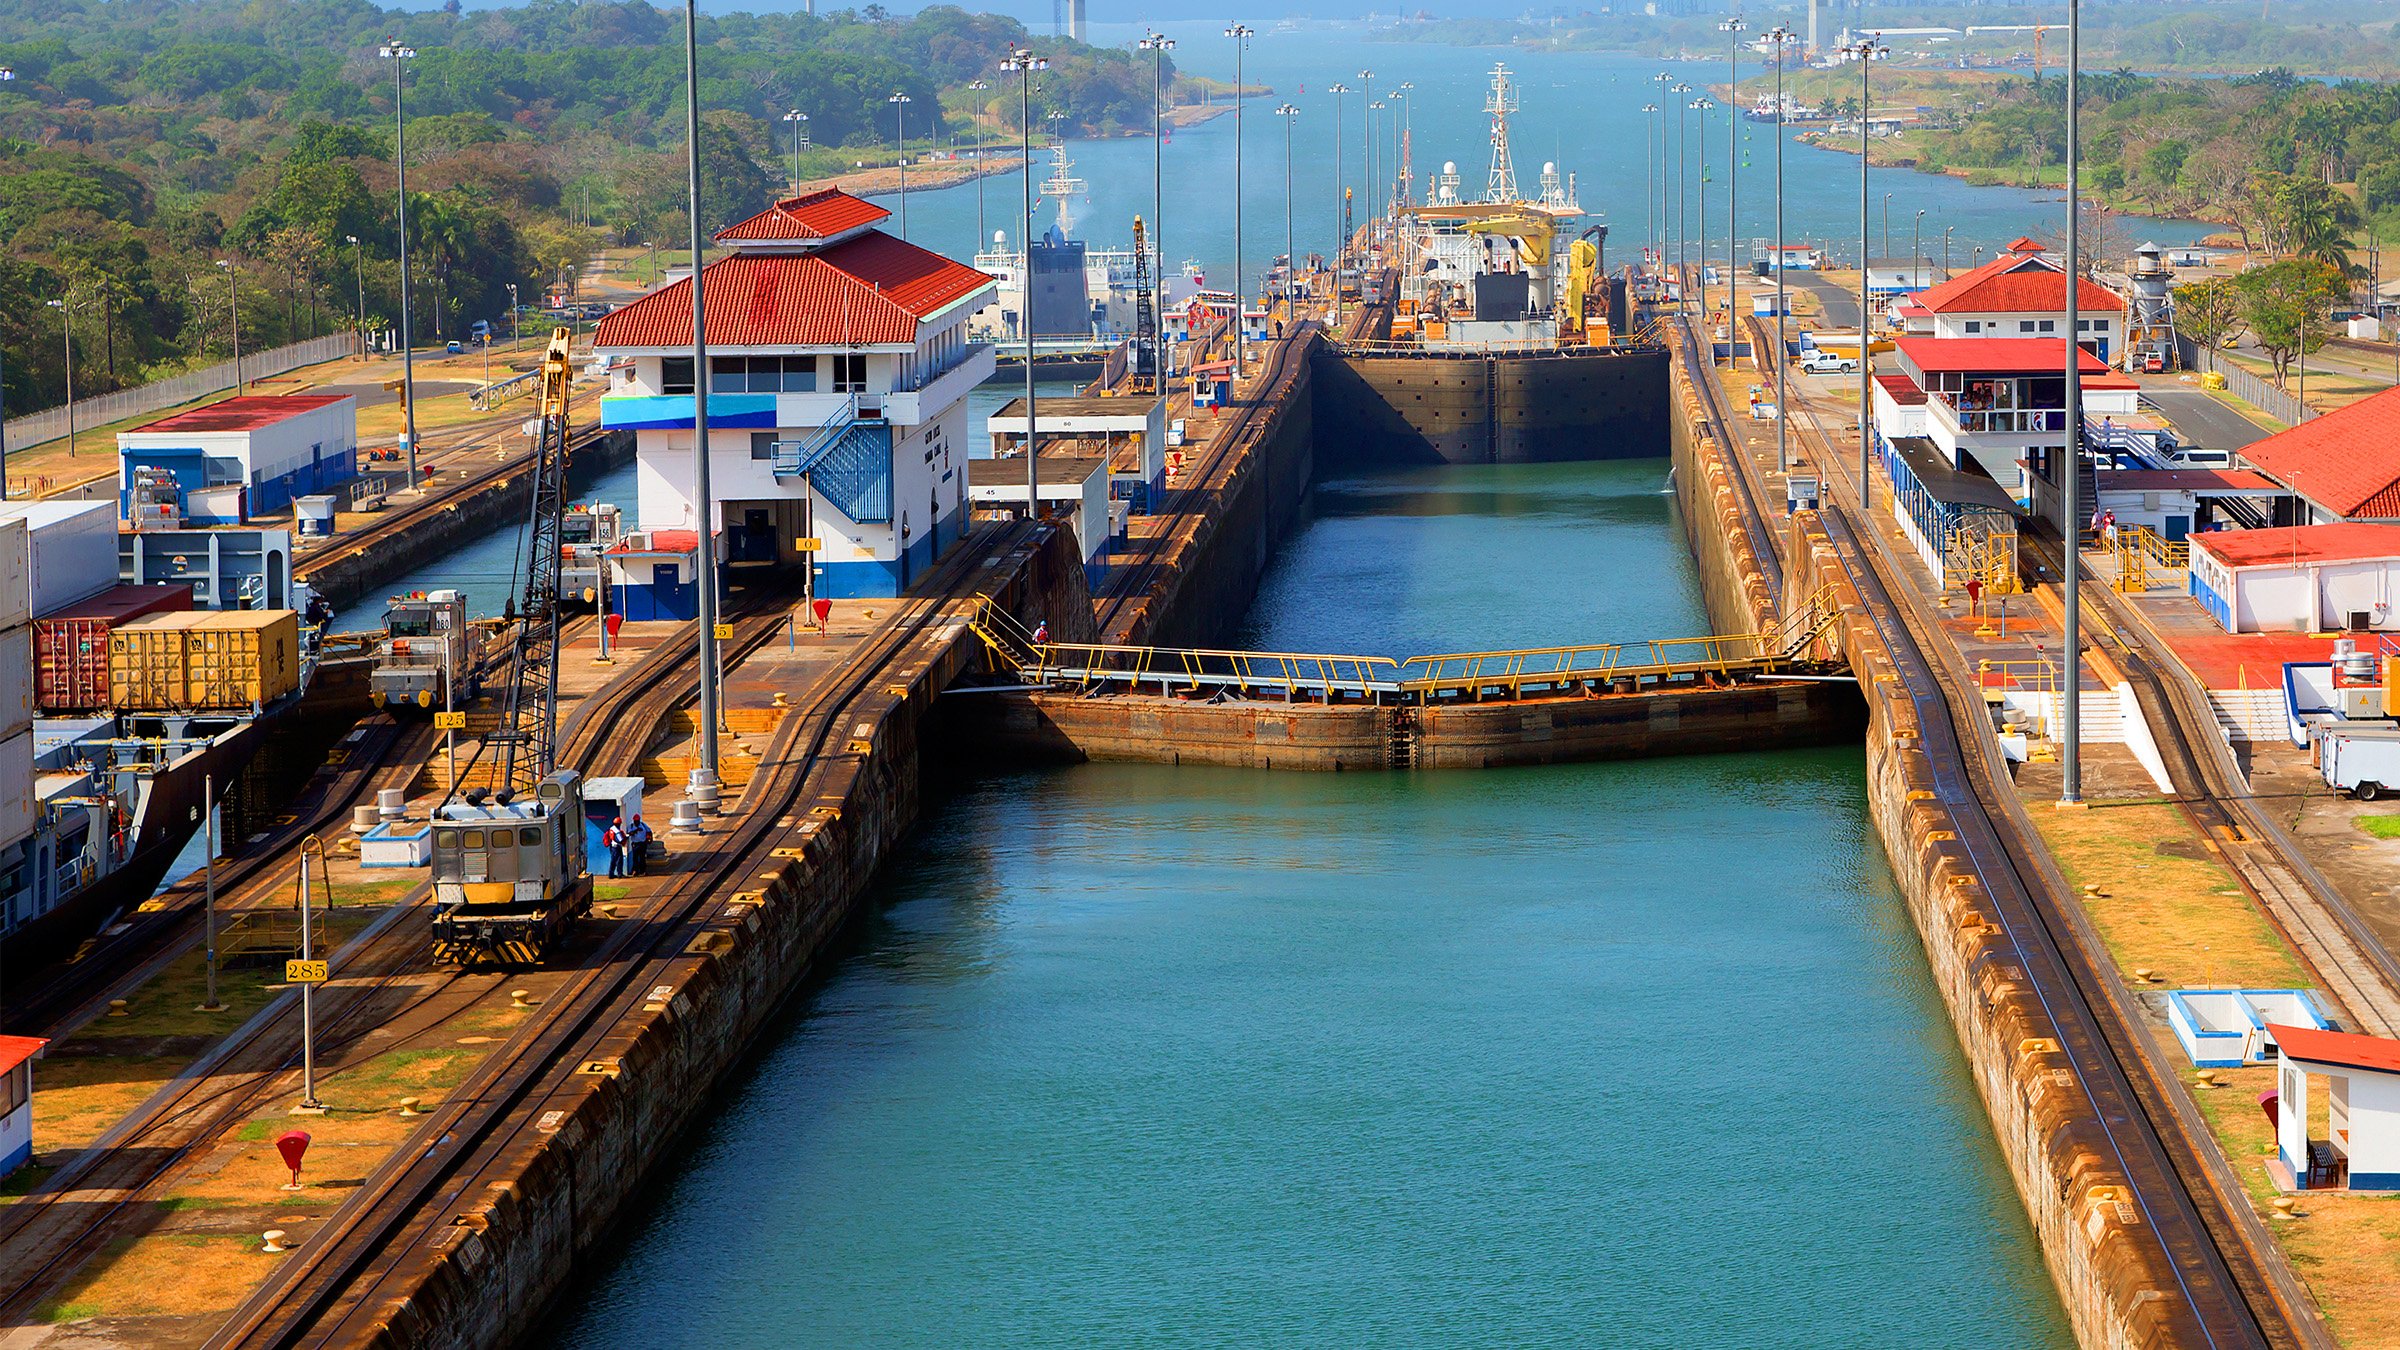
<point x="900" y="104"/>
<point x="516" y="314"/>
<point x="7" y="73"/>
<point x="233" y="294"/>
<point x="1782" y="38"/>
<point x="1022" y="63"/>
<point x="1291" y="260"/>
<point x="1652" y="202"/>
<point x="1887" y="224"/>
<point x="977" y="87"/>
<point x="1734" y="28"/>
<point x="799" y="121"/>
<point x="400" y="54"/>
<point x="1683" y="203"/>
<point x="1700" y="133"/>
<point x="703" y="784"/>
<point x="1366" y="97"/>
<point x="66" y="335"/>
<point x="1867" y="50"/>
<point x="1666" y="100"/>
<point x="1946" y="229"/>
<point x="1341" y="245"/>
<point x="1158" y="45"/>
<point x="1916" y="255"/>
<point x="358" y="258"/>
<point x="1408" y="129"/>
<point x="1241" y="33"/>
<point x="2070" y="760"/>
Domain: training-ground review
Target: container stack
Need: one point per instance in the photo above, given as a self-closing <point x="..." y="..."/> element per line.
<point x="53" y="555"/>
<point x="226" y="661"/>
<point x="70" y="646"/>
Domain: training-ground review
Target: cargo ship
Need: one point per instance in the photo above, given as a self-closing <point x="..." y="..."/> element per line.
<point x="1083" y="300"/>
<point x="120" y="703"/>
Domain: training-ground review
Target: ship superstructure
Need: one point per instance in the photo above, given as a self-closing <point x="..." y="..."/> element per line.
<point x="1080" y="298"/>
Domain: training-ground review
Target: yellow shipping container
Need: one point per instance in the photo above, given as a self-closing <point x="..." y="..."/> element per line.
<point x="241" y="657"/>
<point x="147" y="663"/>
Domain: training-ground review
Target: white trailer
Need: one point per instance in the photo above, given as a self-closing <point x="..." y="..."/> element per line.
<point x="2363" y="760"/>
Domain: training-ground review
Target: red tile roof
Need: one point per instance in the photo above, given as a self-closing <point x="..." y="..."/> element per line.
<point x="2346" y="1048"/>
<point x="2345" y="542"/>
<point x="248" y="413"/>
<point x="15" y="1050"/>
<point x="1994" y="356"/>
<point x="818" y="215"/>
<point x="2015" y="285"/>
<point x="2347" y="461"/>
<point x="1901" y="390"/>
<point x="867" y="290"/>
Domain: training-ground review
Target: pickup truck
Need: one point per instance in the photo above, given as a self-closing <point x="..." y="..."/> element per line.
<point x="1828" y="363"/>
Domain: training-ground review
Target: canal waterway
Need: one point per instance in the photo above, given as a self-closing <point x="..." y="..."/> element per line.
<point x="1636" y="1054"/>
<point x="1579" y="110"/>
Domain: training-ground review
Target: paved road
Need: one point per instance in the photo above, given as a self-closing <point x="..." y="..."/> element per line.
<point x="2201" y="419"/>
<point x="1841" y="305"/>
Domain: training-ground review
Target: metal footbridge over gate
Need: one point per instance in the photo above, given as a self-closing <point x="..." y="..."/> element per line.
<point x="1585" y="671"/>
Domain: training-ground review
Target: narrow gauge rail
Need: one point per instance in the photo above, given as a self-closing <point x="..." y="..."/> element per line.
<point x="385" y="980"/>
<point x="339" y="1288"/>
<point x="74" y="992"/>
<point x="1127" y="585"/>
<point x="2237" y="1292"/>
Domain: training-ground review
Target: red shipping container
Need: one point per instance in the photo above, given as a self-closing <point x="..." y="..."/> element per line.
<point x="70" y="647"/>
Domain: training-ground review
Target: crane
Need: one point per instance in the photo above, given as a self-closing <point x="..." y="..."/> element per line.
<point x="1148" y="365"/>
<point x="528" y="730"/>
<point x="2037" y="29"/>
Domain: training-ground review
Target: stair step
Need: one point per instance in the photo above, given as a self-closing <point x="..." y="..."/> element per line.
<point x="734" y="770"/>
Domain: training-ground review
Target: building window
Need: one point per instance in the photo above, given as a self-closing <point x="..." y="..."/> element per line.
<point x="2024" y="325"/>
<point x="2083" y="325"/>
<point x="762" y="375"/>
<point x="2049" y="326"/>
<point x="849" y="374"/>
<point x="1974" y="325"/>
<point x="675" y="375"/>
<point x="762" y="445"/>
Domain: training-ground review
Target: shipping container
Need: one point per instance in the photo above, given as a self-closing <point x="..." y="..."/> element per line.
<point x="16" y="789"/>
<point x="70" y="648"/>
<point x="70" y="550"/>
<point x="16" y="591"/>
<point x="16" y="689"/>
<point x="147" y="664"/>
<point x="242" y="658"/>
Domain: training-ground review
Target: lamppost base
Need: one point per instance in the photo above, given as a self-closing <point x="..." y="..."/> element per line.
<point x="705" y="792"/>
<point x="308" y="1107"/>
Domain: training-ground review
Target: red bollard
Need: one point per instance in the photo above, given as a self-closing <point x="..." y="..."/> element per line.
<point x="293" y="1145"/>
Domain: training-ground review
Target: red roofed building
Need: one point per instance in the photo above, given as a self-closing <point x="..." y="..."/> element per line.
<point x="2361" y="1147"/>
<point x="839" y="366"/>
<point x="2298" y="579"/>
<point x="225" y="463"/>
<point x="2022" y="293"/>
<point x="1995" y="406"/>
<point x="2344" y="465"/>
<point x="17" y="1054"/>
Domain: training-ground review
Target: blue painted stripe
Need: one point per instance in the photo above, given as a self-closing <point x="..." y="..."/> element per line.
<point x="650" y="412"/>
<point x="2375" y="1181"/>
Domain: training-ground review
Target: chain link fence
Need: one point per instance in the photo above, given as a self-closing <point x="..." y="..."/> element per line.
<point x="2243" y="384"/>
<point x="50" y="424"/>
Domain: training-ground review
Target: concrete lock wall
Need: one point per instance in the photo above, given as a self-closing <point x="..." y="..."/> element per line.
<point x="1476" y="409"/>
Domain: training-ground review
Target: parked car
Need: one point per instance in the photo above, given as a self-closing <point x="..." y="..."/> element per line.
<point x="1828" y="363"/>
<point x="456" y="347"/>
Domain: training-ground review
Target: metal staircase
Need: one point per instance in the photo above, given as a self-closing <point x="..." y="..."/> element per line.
<point x="848" y="461"/>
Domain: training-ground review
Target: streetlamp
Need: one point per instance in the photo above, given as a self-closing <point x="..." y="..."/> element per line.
<point x="1782" y="38"/>
<point x="1366" y="97"/>
<point x="1291" y="260"/>
<point x="400" y="54"/>
<point x="1241" y="33"/>
<point x="1700" y="133"/>
<point x="799" y="121"/>
<point x="1408" y="127"/>
<point x="1666" y="88"/>
<point x="1683" y="178"/>
<point x="1946" y="229"/>
<point x="1022" y="63"/>
<point x="702" y="786"/>
<point x="1374" y="157"/>
<point x="1866" y="50"/>
<point x="977" y="87"/>
<point x="900" y="104"/>
<point x="516" y="318"/>
<point x="358" y="257"/>
<point x="1733" y="28"/>
<point x="2070" y="760"/>
<point x="66" y="333"/>
<point x="1887" y="224"/>
<point x="7" y="73"/>
<point x="233" y="293"/>
<point x="1158" y="45"/>
<point x="1341" y="245"/>
<point x="1651" y="206"/>
<point x="1916" y="255"/>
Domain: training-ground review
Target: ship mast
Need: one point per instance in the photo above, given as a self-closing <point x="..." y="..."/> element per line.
<point x="1502" y="185"/>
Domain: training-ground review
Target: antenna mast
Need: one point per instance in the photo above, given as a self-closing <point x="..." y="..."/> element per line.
<point x="1502" y="185"/>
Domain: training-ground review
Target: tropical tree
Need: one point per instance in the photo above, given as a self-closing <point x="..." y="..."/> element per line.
<point x="2207" y="311"/>
<point x="2288" y="307"/>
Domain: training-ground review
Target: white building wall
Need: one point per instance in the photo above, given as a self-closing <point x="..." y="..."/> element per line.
<point x="1993" y="324"/>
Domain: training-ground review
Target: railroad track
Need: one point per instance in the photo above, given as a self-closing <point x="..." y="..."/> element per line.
<point x="1762" y="537"/>
<point x="1127" y="585"/>
<point x="342" y="1286"/>
<point x="2236" y="1290"/>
